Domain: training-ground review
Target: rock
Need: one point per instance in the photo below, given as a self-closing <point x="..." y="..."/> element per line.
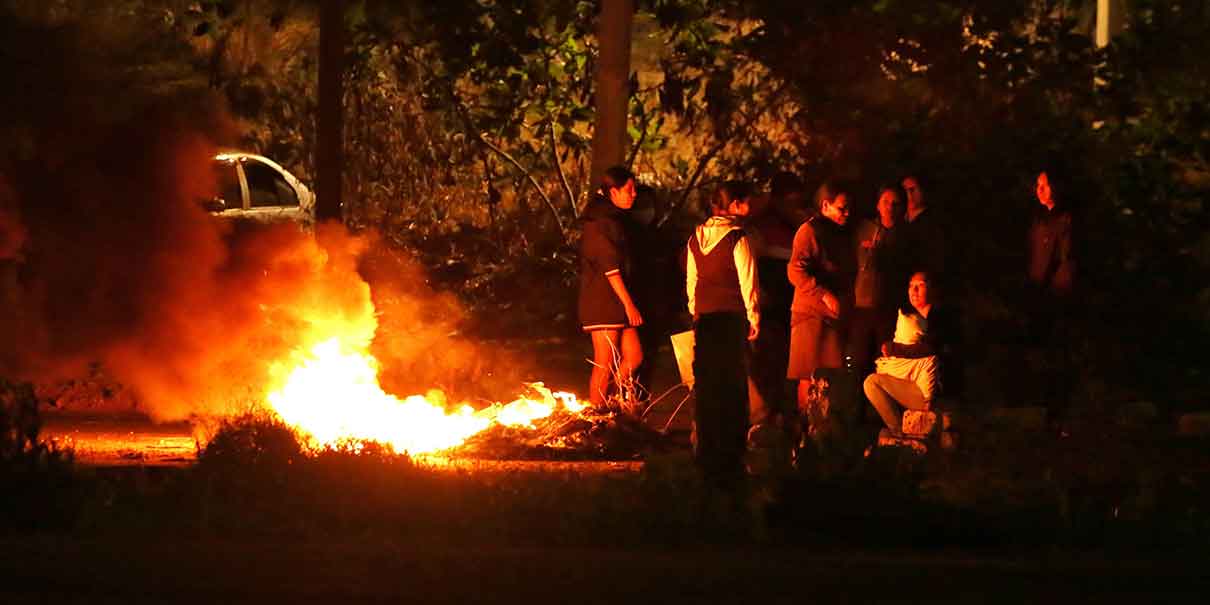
<point x="888" y="439"/>
<point x="921" y="423"/>
<point x="1031" y="418"/>
<point x="1195" y="424"/>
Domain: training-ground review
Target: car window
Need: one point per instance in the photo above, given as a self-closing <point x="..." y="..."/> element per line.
<point x="266" y="187"/>
<point x="226" y="181"/>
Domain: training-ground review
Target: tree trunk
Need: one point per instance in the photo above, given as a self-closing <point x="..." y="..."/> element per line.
<point x="609" y="140"/>
<point x="329" y="154"/>
<point x="1110" y="20"/>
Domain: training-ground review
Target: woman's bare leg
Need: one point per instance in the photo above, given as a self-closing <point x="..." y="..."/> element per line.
<point x="632" y="355"/>
<point x="605" y="353"/>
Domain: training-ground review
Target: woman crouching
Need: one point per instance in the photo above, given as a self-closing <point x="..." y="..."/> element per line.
<point x="919" y="362"/>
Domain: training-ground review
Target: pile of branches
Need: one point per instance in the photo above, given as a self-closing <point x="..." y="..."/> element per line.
<point x="585" y="435"/>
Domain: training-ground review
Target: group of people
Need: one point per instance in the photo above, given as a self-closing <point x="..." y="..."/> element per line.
<point x="783" y="290"/>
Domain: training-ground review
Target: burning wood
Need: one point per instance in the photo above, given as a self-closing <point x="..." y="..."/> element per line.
<point x="332" y="395"/>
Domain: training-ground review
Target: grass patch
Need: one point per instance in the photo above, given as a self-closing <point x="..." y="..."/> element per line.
<point x="255" y="480"/>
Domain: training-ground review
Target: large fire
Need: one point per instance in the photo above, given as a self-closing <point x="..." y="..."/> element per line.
<point x="325" y="382"/>
<point x="331" y="393"/>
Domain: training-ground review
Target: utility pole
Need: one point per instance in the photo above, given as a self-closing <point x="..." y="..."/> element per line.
<point x="329" y="152"/>
<point x="609" y="140"/>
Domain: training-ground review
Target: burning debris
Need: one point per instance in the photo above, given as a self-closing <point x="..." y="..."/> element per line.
<point x="332" y="395"/>
<point x="586" y="435"/>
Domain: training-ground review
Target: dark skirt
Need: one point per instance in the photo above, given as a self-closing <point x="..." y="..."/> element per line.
<point x="599" y="306"/>
<point x="815" y="342"/>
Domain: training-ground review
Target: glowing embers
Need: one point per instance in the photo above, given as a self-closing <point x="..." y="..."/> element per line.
<point x="332" y="394"/>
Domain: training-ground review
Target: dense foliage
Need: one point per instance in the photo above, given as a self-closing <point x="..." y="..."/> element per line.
<point x="469" y="124"/>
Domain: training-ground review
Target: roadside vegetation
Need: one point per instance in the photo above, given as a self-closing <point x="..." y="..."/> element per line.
<point x="254" y="479"/>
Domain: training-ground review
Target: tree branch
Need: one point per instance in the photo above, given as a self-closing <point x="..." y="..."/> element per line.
<point x="554" y="150"/>
<point x="532" y="181"/>
<point x="460" y="110"/>
<point x="692" y="184"/>
<point x="634" y="151"/>
<point x="718" y="147"/>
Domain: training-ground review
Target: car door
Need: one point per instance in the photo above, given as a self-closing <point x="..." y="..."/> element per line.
<point x="231" y="190"/>
<point x="270" y="196"/>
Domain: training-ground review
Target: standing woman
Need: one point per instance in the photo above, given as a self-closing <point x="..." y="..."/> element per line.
<point x="721" y="287"/>
<point x="822" y="268"/>
<point x="607" y="311"/>
<point x="1051" y="280"/>
<point x="1051" y="262"/>
<point x="874" y="292"/>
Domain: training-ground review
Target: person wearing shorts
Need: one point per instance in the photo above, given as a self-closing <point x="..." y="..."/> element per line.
<point x="607" y="311"/>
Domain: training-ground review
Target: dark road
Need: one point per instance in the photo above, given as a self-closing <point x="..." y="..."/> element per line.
<point x="373" y="570"/>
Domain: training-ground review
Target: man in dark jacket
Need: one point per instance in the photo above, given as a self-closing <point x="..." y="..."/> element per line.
<point x="923" y="236"/>
<point x="607" y="311"/>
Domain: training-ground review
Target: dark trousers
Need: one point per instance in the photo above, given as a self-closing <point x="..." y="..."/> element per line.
<point x="868" y="329"/>
<point x="721" y="413"/>
<point x="1050" y="339"/>
<point x="768" y="389"/>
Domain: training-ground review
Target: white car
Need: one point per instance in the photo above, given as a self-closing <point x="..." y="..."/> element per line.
<point x="253" y="187"/>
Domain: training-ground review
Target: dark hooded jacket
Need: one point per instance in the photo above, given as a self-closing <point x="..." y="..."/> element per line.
<point x="603" y="252"/>
<point x="1051" y="262"/>
<point x="923" y="247"/>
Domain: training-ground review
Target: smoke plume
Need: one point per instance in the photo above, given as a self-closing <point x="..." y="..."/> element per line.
<point x="106" y="255"/>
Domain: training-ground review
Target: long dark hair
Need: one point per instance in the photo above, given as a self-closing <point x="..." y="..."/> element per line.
<point x="614" y="177"/>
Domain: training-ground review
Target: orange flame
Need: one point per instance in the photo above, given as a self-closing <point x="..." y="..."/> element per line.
<point x="332" y="394"/>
